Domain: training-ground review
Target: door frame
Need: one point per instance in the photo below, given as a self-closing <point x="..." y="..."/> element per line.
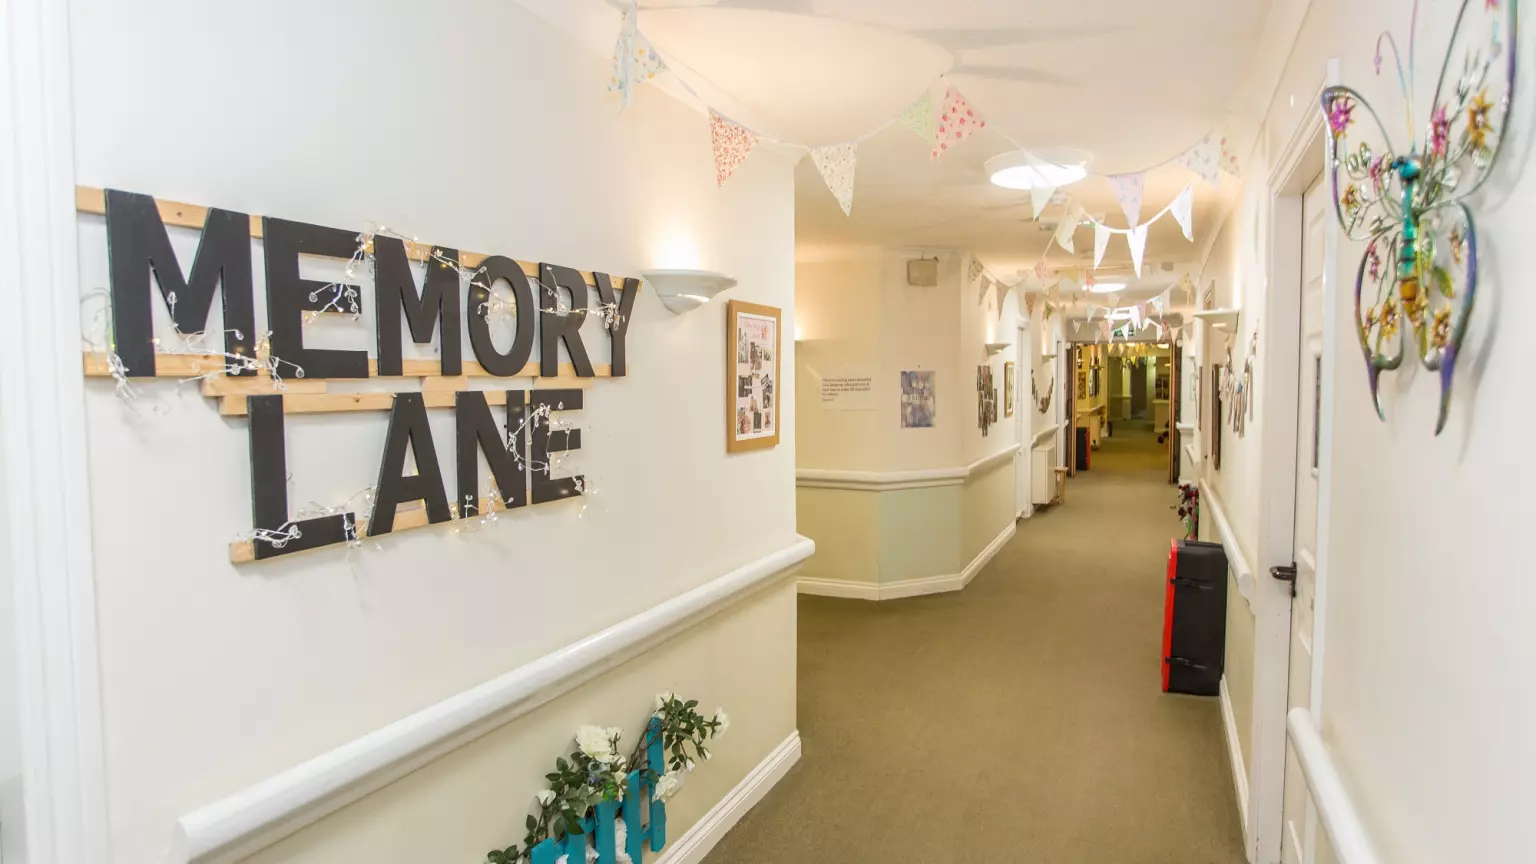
<point x="1299" y="163"/>
<point x="46" y="484"/>
<point x="1023" y="421"/>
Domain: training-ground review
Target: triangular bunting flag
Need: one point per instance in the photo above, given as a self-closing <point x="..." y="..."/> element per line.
<point x="1001" y="290"/>
<point x="957" y="122"/>
<point x="1063" y="235"/>
<point x="634" y="61"/>
<point x="1183" y="208"/>
<point x="732" y="142"/>
<point x="1157" y="304"/>
<point x="836" y="164"/>
<point x="1039" y="196"/>
<point x="1135" y="317"/>
<point x="1138" y="240"/>
<point x="1041" y="271"/>
<point x="919" y="117"/>
<point x="1029" y="304"/>
<point x="1202" y="159"/>
<point x="1101" y="237"/>
<point x="1228" y="161"/>
<point x="975" y="269"/>
<point x="1091" y="310"/>
<point x="1128" y="191"/>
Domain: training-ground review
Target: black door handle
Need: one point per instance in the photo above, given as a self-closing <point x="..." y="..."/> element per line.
<point x="1285" y="573"/>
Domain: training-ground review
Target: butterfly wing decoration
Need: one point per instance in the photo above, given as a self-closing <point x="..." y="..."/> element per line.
<point x="1420" y="259"/>
<point x="1466" y="128"/>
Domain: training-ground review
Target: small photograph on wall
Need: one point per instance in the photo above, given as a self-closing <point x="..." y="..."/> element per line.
<point x="752" y="351"/>
<point x="1008" y="388"/>
<point x="919" y="402"/>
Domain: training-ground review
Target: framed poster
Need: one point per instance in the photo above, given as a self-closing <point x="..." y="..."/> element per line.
<point x="919" y="405"/>
<point x="752" y="382"/>
<point x="1008" y="388"/>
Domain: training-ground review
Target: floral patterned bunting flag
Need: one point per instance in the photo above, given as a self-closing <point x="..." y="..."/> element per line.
<point x="1228" y="161"/>
<point x="1203" y="159"/>
<point x="1029" y="304"/>
<point x="1128" y="191"/>
<point x="1183" y="211"/>
<point x="1100" y="243"/>
<point x="1001" y="290"/>
<point x="634" y="61"/>
<point x="957" y="122"/>
<point x="975" y="269"/>
<point x="732" y="142"/>
<point x="836" y="164"/>
<point x="919" y="117"/>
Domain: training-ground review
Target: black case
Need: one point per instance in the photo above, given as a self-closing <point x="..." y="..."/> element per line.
<point x="1195" y="618"/>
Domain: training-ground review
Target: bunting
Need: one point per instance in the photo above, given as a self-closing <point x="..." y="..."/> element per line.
<point x="919" y="117"/>
<point x="836" y="164"/>
<point x="1063" y="235"/>
<point x="634" y="61"/>
<point x="1228" y="160"/>
<point x="1001" y="290"/>
<point x="1029" y="304"/>
<point x="1204" y="160"/>
<point x="732" y="143"/>
<point x="1183" y="211"/>
<point x="1128" y="191"/>
<point x="1101" y="236"/>
<point x="1137" y="237"/>
<point x="976" y="269"/>
<point x="958" y="122"/>
<point x="1039" y="196"/>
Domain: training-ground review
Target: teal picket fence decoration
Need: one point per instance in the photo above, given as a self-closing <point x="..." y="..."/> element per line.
<point x="638" y="807"/>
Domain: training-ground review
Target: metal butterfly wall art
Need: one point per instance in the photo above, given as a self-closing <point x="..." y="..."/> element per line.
<point x="1409" y="206"/>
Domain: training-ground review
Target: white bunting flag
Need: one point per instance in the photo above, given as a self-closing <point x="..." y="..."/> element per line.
<point x="1101" y="237"/>
<point x="1138" y="240"/>
<point x="1039" y="196"/>
<point x="1183" y="209"/>
<point x="1135" y="318"/>
<point x="1001" y="290"/>
<point x="1228" y="159"/>
<point x="836" y="164"/>
<point x="1128" y="191"/>
<point x="1203" y="159"/>
<point x="732" y="143"/>
<point x="919" y="117"/>
<point x="1157" y="304"/>
<point x="1063" y="235"/>
<point x="634" y="61"/>
<point x="957" y="122"/>
<point x="1091" y="310"/>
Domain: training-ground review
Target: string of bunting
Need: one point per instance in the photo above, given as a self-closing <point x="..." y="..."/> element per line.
<point x="636" y="61"/>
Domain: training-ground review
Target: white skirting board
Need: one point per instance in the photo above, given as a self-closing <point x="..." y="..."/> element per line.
<point x="721" y="818"/>
<point x="1235" y="759"/>
<point x="907" y="587"/>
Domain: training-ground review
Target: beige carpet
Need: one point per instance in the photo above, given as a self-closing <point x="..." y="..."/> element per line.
<point x="1020" y="720"/>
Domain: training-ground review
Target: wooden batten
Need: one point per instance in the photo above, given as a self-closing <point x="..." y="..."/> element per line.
<point x="89" y="199"/>
<point x="406" y="518"/>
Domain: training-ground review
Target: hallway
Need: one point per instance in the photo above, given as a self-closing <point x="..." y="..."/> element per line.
<point x="1017" y="720"/>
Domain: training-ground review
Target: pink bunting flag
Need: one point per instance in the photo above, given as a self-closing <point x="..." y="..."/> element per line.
<point x="732" y="141"/>
<point x="1001" y="290"/>
<point x="957" y="122"/>
<point x="1203" y="159"/>
<point x="1029" y="304"/>
<point x="1129" y="189"/>
<point x="1228" y="160"/>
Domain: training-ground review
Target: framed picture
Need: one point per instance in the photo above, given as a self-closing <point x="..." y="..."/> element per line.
<point x="919" y="404"/>
<point x="752" y="358"/>
<point x="1008" y="388"/>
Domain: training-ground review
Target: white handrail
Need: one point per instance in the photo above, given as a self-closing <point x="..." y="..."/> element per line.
<point x="1044" y="432"/>
<point x="1210" y="505"/>
<point x="1335" y="809"/>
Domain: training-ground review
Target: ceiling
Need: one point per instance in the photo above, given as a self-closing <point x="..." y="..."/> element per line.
<point x="1132" y="82"/>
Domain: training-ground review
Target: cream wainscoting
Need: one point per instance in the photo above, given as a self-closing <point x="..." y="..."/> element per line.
<point x="886" y="535"/>
<point x="341" y="802"/>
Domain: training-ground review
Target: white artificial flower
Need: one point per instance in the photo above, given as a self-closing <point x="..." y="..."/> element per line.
<point x="663" y="698"/>
<point x="620" y="840"/>
<point x="544" y="798"/>
<point x="591" y="853"/>
<point x="723" y="720"/>
<point x="563" y="859"/>
<point x="594" y="741"/>
<point x="667" y="785"/>
<point x="691" y="765"/>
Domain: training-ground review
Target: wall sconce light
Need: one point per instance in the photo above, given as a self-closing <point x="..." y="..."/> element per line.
<point x="685" y="290"/>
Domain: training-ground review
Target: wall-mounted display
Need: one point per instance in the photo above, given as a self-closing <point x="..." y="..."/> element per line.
<point x="1041" y="405"/>
<point x="919" y="400"/>
<point x="752" y="355"/>
<point x="1008" y="387"/>
<point x="1407" y="202"/>
<point x="986" y="398"/>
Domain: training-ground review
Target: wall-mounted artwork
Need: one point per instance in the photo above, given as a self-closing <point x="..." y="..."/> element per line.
<point x="1008" y="387"/>
<point x="919" y="401"/>
<point x="986" y="399"/>
<point x="752" y="355"/>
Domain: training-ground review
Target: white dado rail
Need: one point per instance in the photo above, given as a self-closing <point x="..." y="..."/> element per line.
<point x="1046" y="433"/>
<point x="246" y="822"/>
<point x="1210" y="506"/>
<point x="891" y="481"/>
<point x="1335" y="809"/>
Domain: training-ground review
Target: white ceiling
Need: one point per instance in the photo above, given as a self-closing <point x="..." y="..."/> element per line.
<point x="1132" y="82"/>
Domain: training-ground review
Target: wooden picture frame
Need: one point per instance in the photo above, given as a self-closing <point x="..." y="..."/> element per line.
<point x="753" y="341"/>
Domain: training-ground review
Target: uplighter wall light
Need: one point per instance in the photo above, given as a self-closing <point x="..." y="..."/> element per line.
<point x="685" y="290"/>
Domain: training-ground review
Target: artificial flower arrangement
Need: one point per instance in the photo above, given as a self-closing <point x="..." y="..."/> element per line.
<point x="597" y="772"/>
<point x="1189" y="509"/>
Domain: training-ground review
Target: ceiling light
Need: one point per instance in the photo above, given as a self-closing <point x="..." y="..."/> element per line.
<point x="1024" y="170"/>
<point x="1106" y="287"/>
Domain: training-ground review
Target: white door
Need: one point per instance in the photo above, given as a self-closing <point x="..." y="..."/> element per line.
<point x="1315" y="215"/>
<point x="1023" y="414"/>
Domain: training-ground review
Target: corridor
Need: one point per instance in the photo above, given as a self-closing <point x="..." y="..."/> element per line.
<point x="1017" y="720"/>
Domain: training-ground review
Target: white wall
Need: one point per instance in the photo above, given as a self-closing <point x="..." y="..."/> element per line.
<point x="468" y="122"/>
